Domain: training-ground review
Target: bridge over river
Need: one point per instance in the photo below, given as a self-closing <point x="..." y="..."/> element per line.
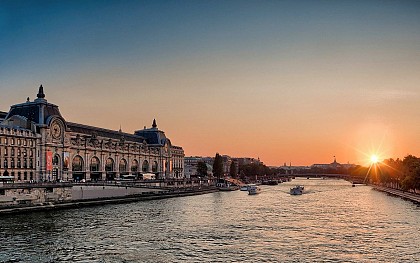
<point x="347" y="177"/>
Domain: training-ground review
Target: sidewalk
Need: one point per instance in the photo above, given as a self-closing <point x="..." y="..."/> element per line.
<point x="406" y="195"/>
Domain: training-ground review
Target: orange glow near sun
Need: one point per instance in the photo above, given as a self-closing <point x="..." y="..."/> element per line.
<point x="373" y="142"/>
<point x="374" y="159"/>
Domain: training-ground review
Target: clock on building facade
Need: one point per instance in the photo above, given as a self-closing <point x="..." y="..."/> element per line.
<point x="56" y="129"/>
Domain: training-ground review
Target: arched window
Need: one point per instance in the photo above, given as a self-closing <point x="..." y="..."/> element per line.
<point x="94" y="164"/>
<point x="77" y="164"/>
<point x="123" y="166"/>
<point x="109" y="165"/>
<point x="5" y="164"/>
<point x="12" y="163"/>
<point x="155" y="167"/>
<point x="19" y="163"/>
<point x="145" y="167"/>
<point x="134" y="166"/>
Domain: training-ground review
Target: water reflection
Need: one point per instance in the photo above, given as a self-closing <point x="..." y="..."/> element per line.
<point x="332" y="222"/>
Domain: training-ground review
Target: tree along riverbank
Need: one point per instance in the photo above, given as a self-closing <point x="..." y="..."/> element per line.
<point x="397" y="174"/>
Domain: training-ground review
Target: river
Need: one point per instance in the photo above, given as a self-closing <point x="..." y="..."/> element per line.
<point x="331" y="222"/>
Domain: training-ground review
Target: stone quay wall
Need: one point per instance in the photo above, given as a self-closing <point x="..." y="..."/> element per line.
<point x="16" y="198"/>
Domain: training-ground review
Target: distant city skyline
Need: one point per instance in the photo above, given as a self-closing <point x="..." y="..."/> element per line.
<point x="285" y="81"/>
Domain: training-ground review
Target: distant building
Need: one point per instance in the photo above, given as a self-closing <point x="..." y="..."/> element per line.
<point x="37" y="143"/>
<point x="246" y="160"/>
<point x="290" y="169"/>
<point x="227" y="161"/>
<point x="191" y="164"/>
<point x="192" y="161"/>
<point x="332" y="166"/>
<point x="208" y="160"/>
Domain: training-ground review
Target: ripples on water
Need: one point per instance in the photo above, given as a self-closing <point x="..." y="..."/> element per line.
<point x="332" y="222"/>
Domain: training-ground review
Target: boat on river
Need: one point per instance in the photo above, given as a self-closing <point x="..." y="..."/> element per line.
<point x="297" y="190"/>
<point x="270" y="182"/>
<point x="244" y="188"/>
<point x="227" y="187"/>
<point x="253" y="189"/>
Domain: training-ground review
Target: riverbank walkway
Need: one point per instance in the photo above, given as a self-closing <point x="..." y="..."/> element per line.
<point x="403" y="194"/>
<point x="143" y="196"/>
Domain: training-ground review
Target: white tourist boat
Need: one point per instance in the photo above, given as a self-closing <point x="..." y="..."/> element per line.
<point x="253" y="189"/>
<point x="297" y="190"/>
<point x="227" y="187"/>
<point x="244" y="188"/>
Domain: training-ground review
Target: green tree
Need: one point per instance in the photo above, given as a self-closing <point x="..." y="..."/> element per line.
<point x="392" y="173"/>
<point x="253" y="169"/>
<point x="411" y="174"/>
<point x="201" y="169"/>
<point x="218" y="166"/>
<point x="233" y="171"/>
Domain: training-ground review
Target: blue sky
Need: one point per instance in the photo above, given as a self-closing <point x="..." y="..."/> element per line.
<point x="304" y="65"/>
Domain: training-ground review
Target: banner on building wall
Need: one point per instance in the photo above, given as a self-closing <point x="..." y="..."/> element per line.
<point x="49" y="160"/>
<point x="66" y="158"/>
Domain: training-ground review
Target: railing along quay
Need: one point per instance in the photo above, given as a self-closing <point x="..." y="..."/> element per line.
<point x="35" y="185"/>
<point x="163" y="184"/>
<point x="405" y="195"/>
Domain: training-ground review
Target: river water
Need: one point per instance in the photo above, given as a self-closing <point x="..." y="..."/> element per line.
<point x="331" y="222"/>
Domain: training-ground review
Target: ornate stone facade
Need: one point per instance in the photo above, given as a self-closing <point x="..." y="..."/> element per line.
<point x="37" y="143"/>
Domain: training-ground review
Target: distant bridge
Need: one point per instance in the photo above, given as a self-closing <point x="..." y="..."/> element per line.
<point x="346" y="177"/>
<point x="320" y="175"/>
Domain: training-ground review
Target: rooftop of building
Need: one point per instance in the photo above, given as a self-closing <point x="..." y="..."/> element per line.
<point x="91" y="130"/>
<point x="3" y="115"/>
<point x="31" y="109"/>
<point x="26" y="115"/>
<point x="153" y="135"/>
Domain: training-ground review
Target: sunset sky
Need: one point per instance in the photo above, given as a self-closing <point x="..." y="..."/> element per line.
<point x="285" y="81"/>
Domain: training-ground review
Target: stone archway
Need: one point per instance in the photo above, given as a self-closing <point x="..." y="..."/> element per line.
<point x="155" y="167"/>
<point x="134" y="168"/>
<point x="77" y="168"/>
<point x="94" y="168"/>
<point x="110" y="169"/>
<point x="145" y="166"/>
<point x="122" y="167"/>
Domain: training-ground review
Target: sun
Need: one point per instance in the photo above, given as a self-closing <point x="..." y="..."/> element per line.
<point x="374" y="159"/>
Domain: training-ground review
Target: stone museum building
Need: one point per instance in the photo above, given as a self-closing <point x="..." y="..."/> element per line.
<point x="38" y="144"/>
